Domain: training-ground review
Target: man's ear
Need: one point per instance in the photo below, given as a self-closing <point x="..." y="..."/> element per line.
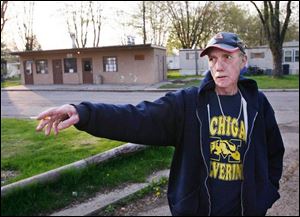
<point x="243" y="61"/>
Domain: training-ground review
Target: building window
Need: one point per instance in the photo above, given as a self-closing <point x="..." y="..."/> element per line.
<point x="110" y="64"/>
<point x="41" y="66"/>
<point x="70" y="65"/>
<point x="257" y="55"/>
<point x="28" y="67"/>
<point x="87" y="65"/>
<point x="296" y="55"/>
<point x="190" y="56"/>
<point x="139" y="57"/>
<point x="288" y="56"/>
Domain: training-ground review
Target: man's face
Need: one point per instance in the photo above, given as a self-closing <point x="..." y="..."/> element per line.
<point x="225" y="67"/>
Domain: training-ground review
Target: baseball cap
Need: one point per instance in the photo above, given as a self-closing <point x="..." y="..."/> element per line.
<point x="227" y="41"/>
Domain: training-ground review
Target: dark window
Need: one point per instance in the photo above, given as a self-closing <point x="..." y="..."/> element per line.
<point x="288" y="56"/>
<point x="28" y="67"/>
<point x="110" y="64"/>
<point x="190" y="56"/>
<point x="296" y="55"/>
<point x="70" y="65"/>
<point x="41" y="66"/>
<point x="257" y="55"/>
<point x="87" y="66"/>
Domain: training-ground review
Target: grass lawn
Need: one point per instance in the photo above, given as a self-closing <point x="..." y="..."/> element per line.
<point x="11" y="82"/>
<point x="263" y="81"/>
<point x="268" y="82"/>
<point x="174" y="74"/>
<point x="43" y="199"/>
<point x="26" y="152"/>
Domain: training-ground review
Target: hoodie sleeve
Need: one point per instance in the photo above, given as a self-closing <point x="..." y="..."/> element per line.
<point x="149" y="123"/>
<point x="275" y="144"/>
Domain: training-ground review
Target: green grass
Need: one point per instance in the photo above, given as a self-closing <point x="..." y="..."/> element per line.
<point x="43" y="199"/>
<point x="174" y="74"/>
<point x="268" y="82"/>
<point x="29" y="153"/>
<point x="10" y="82"/>
<point x="263" y="81"/>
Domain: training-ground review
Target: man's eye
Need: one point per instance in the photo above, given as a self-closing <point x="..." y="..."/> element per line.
<point x="228" y="57"/>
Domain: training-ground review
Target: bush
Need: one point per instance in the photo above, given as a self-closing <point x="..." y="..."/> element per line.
<point x="254" y="70"/>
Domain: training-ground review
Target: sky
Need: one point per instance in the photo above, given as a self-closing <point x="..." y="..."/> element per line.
<point x="50" y="27"/>
<point x="51" y="30"/>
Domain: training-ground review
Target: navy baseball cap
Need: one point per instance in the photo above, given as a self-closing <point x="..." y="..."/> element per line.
<point x="227" y="41"/>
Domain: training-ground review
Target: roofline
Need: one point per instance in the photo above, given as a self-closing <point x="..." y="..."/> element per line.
<point x="113" y="47"/>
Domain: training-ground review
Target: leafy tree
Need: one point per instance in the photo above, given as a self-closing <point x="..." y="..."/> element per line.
<point x="275" y="29"/>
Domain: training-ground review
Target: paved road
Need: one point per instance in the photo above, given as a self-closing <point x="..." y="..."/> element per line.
<point x="29" y="103"/>
<point x="24" y="104"/>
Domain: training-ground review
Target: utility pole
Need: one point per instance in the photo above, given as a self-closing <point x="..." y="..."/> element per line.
<point x="196" y="60"/>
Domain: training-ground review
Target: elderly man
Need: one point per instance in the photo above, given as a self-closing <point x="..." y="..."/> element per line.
<point x="228" y="148"/>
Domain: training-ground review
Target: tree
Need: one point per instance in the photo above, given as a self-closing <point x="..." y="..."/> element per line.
<point x="4" y="5"/>
<point x="144" y="22"/>
<point x="275" y="30"/>
<point x="151" y="22"/>
<point x="25" y="28"/>
<point x="83" y="18"/>
<point x="78" y="22"/>
<point x="191" y="23"/>
<point x="234" y="18"/>
<point x="96" y="17"/>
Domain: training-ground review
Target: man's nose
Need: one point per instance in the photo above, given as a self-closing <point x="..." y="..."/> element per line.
<point x="219" y="65"/>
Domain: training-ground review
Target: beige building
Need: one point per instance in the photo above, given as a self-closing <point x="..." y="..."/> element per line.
<point x="129" y="64"/>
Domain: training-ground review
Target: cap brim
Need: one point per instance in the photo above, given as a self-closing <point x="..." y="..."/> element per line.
<point x="224" y="47"/>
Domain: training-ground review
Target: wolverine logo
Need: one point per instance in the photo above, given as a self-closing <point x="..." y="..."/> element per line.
<point x="225" y="149"/>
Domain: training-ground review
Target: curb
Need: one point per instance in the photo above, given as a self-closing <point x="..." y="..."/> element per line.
<point x="94" y="205"/>
<point x="53" y="175"/>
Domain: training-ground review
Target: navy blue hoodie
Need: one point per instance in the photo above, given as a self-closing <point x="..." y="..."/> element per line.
<point x="180" y="119"/>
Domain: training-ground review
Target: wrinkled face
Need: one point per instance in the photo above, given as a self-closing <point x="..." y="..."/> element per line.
<point x="225" y="66"/>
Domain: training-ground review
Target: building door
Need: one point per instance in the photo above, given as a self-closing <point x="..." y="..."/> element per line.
<point x="57" y="72"/>
<point x="87" y="71"/>
<point x="28" y="71"/>
<point x="160" y="67"/>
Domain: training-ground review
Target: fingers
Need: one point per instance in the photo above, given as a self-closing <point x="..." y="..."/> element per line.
<point x="55" y="127"/>
<point x="68" y="122"/>
<point x="58" y="118"/>
<point x="48" y="128"/>
<point x="47" y="114"/>
<point x="42" y="124"/>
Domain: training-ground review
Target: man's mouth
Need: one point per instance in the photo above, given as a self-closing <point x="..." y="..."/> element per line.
<point x="221" y="76"/>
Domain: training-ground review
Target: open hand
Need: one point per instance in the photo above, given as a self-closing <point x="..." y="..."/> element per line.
<point x="58" y="118"/>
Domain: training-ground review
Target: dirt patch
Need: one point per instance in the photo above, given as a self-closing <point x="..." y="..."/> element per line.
<point x="7" y="174"/>
<point x="133" y="208"/>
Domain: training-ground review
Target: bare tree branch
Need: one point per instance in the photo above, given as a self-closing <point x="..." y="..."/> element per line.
<point x="4" y="5"/>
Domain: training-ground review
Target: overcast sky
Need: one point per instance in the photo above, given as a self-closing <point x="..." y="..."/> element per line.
<point x="50" y="26"/>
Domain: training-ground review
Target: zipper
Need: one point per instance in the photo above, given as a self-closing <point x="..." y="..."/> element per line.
<point x="242" y="185"/>
<point x="207" y="171"/>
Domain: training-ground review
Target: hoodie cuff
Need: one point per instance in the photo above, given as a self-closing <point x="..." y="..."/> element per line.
<point x="84" y="115"/>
